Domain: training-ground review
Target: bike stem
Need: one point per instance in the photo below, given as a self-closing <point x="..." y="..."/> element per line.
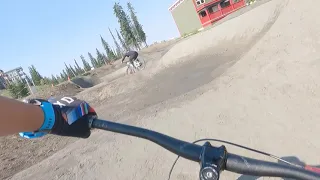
<point x="212" y="162"/>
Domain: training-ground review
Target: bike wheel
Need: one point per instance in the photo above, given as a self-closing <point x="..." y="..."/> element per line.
<point x="143" y="64"/>
<point x="130" y="70"/>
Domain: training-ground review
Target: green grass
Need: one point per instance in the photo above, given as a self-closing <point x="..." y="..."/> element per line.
<point x="5" y="93"/>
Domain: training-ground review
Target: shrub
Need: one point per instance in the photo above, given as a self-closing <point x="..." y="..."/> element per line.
<point x="18" y="90"/>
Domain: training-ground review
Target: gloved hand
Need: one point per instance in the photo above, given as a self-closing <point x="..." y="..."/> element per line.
<point x="71" y="116"/>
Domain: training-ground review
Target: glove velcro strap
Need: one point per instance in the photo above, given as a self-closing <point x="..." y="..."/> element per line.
<point x="48" y="123"/>
<point x="49" y="116"/>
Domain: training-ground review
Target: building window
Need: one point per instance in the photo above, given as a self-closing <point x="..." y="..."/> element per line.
<point x="213" y="9"/>
<point x="199" y="2"/>
<point x="203" y="14"/>
<point x="225" y="3"/>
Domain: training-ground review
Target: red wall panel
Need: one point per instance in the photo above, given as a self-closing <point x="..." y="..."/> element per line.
<point x="215" y="16"/>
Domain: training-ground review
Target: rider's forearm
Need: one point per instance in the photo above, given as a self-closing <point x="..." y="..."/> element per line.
<point x="16" y="116"/>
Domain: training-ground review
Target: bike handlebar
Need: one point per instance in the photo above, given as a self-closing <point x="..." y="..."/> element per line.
<point x="183" y="149"/>
<point x="233" y="163"/>
<point x="248" y="166"/>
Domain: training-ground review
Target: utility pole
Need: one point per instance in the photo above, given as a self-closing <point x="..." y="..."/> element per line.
<point x="25" y="77"/>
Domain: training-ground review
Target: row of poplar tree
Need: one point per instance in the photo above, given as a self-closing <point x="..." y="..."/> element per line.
<point x="131" y="37"/>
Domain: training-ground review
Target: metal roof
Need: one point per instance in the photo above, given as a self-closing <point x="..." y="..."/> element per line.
<point x="15" y="69"/>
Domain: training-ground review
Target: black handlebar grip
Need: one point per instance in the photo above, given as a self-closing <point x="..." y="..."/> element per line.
<point x="248" y="166"/>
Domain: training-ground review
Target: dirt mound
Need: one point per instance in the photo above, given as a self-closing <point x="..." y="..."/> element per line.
<point x="115" y="75"/>
<point x="64" y="89"/>
<point x="107" y="89"/>
<point x="86" y="81"/>
<point x="105" y="70"/>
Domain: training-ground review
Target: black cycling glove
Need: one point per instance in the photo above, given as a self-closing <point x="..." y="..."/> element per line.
<point x="71" y="117"/>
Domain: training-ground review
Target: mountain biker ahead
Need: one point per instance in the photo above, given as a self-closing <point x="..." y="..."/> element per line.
<point x="133" y="55"/>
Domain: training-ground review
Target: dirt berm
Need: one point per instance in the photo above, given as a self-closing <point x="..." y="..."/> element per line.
<point x="229" y="37"/>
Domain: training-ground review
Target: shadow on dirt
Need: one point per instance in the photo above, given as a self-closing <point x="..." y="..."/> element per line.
<point x="86" y="81"/>
<point x="291" y="159"/>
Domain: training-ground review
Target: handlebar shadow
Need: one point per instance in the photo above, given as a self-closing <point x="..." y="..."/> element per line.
<point x="292" y="159"/>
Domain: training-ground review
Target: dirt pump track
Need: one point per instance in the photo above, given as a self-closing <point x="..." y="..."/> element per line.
<point x="253" y="80"/>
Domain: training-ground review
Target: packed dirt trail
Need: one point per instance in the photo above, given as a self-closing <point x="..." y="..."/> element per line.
<point x="253" y="80"/>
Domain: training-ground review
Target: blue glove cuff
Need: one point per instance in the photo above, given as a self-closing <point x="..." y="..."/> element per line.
<point x="48" y="123"/>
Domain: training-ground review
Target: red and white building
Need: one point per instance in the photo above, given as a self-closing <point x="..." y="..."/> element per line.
<point x="191" y="15"/>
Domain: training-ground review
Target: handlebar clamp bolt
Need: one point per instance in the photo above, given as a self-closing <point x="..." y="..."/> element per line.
<point x="209" y="173"/>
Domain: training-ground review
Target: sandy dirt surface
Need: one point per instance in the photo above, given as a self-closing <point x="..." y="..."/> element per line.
<point x="253" y="80"/>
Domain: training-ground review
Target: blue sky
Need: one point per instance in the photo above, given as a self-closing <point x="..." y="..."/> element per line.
<point x="49" y="33"/>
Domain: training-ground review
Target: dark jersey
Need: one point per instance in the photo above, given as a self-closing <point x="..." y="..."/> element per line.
<point x="131" y="54"/>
